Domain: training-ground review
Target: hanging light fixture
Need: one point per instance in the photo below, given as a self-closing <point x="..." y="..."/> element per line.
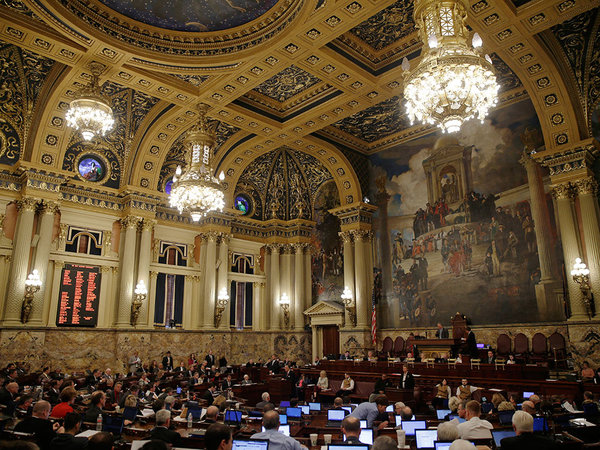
<point x="90" y="113"/>
<point x="195" y="189"/>
<point x="454" y="81"/>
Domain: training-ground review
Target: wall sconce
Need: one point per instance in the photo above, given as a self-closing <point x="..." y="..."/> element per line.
<point x="581" y="275"/>
<point x="222" y="300"/>
<point x="140" y="295"/>
<point x="284" y="302"/>
<point x="33" y="284"/>
<point x="349" y="304"/>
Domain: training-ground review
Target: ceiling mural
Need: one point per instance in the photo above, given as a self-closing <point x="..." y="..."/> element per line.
<point x="176" y="155"/>
<point x="282" y="184"/>
<point x="22" y="74"/>
<point x="505" y="77"/>
<point x="182" y="15"/>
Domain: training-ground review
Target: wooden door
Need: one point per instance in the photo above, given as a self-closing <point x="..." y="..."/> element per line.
<point x="331" y="340"/>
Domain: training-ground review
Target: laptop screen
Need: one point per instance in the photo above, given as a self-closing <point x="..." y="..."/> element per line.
<point x="250" y="444"/>
<point x="539" y="424"/>
<point x="233" y="417"/>
<point x="366" y="436"/>
<point x="197" y="413"/>
<point x="442" y="413"/>
<point x="363" y="424"/>
<point x="426" y="438"/>
<point x="442" y="445"/>
<point x="347" y="447"/>
<point x="130" y="413"/>
<point x="283" y="419"/>
<point x="498" y="435"/>
<point x="284" y="404"/>
<point x="505" y="417"/>
<point x="347" y="408"/>
<point x="389" y="409"/>
<point x="527" y="394"/>
<point x="113" y="424"/>
<point x="456" y="416"/>
<point x="314" y="406"/>
<point x="294" y="413"/>
<point x="283" y="429"/>
<point x="398" y="420"/>
<point x="336" y="414"/>
<point x="305" y="409"/>
<point x="411" y="425"/>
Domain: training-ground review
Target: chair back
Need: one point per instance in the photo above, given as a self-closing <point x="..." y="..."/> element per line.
<point x="539" y="344"/>
<point x="388" y="345"/>
<point x="503" y="344"/>
<point x="521" y="344"/>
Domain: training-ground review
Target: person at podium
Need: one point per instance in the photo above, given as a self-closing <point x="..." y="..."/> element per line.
<point x="441" y="332"/>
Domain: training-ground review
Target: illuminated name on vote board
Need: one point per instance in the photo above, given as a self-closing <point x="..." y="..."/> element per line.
<point x="78" y="297"/>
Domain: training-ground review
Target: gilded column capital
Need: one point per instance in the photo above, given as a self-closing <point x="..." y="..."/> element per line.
<point x="586" y="186"/>
<point x="27" y="204"/>
<point x="286" y="249"/>
<point x="224" y="238"/>
<point x="147" y="225"/>
<point x="526" y="160"/>
<point x="59" y="264"/>
<point x="47" y="207"/>
<point x="274" y="248"/>
<point x="346" y="237"/>
<point x="153" y="274"/>
<point x="562" y="191"/>
<point x="213" y="236"/>
<point x="362" y="235"/>
<point x="104" y="269"/>
<point x="299" y="247"/>
<point x="130" y="222"/>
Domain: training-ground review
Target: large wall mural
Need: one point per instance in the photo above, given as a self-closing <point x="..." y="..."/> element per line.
<point x="455" y="215"/>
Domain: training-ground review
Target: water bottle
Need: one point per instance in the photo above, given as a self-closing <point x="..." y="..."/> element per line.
<point x="99" y="423"/>
<point x="189" y="421"/>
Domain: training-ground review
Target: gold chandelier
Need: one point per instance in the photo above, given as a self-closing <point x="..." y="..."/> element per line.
<point x="90" y="113"/>
<point x="196" y="190"/>
<point x="454" y="81"/>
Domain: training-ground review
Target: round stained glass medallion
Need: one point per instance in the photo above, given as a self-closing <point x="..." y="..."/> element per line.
<point x="91" y="168"/>
<point x="242" y="203"/>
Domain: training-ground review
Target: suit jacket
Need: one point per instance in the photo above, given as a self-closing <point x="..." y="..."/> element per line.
<point x="409" y="382"/>
<point x="471" y="343"/>
<point x="7" y="399"/>
<point x="226" y="385"/>
<point x="65" y="441"/>
<point x="210" y="360"/>
<point x="166" y="435"/>
<point x="91" y="414"/>
<point x="528" y="441"/>
<point x="52" y="396"/>
<point x="353" y="440"/>
<point x="491" y="360"/>
<point x="167" y="363"/>
<point x="208" y="397"/>
<point x="41" y="429"/>
<point x="442" y="334"/>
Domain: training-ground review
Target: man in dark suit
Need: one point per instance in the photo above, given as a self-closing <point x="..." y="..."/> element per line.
<point x="8" y="397"/>
<point x="38" y="424"/>
<point x="167" y="362"/>
<point x="266" y="400"/>
<point x="471" y="344"/>
<point x="351" y="430"/>
<point x="382" y="384"/>
<point x="210" y="359"/>
<point x="208" y="394"/>
<point x="408" y="380"/>
<point x="441" y="332"/>
<point x="525" y="438"/>
<point x="161" y="432"/>
<point x="491" y="359"/>
<point x="67" y="440"/>
<point x="227" y="383"/>
<point x="93" y="379"/>
<point x="53" y="393"/>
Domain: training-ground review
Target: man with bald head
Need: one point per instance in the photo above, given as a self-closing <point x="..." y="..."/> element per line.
<point x="211" y="414"/>
<point x="351" y="430"/>
<point x="277" y="440"/>
<point x="8" y="397"/>
<point x="39" y="425"/>
<point x="529" y="407"/>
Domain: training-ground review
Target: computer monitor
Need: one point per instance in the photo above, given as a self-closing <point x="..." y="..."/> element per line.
<point x="442" y="413"/>
<point x="197" y="413"/>
<point x="347" y="447"/>
<point x="389" y="409"/>
<point x="505" y="417"/>
<point x="283" y="429"/>
<point x="498" y="435"/>
<point x="456" y="416"/>
<point x="305" y="409"/>
<point x="113" y="424"/>
<point x="250" y="444"/>
<point x="426" y="438"/>
<point x="366" y="436"/>
<point x="284" y="404"/>
<point x="283" y="419"/>
<point x="178" y="390"/>
<point x="527" y="394"/>
<point x="313" y="406"/>
<point x="294" y="413"/>
<point x="363" y="424"/>
<point x="480" y="346"/>
<point x="130" y="413"/>
<point x="410" y="426"/>
<point x="336" y="414"/>
<point x="540" y="424"/>
<point x="398" y="419"/>
<point x="442" y="445"/>
<point x="233" y="417"/>
<point x="347" y="408"/>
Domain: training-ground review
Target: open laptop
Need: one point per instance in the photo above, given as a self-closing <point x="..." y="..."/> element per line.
<point x="283" y="429"/>
<point x="527" y="394"/>
<point x="130" y="413"/>
<point x="540" y="424"/>
<point x="389" y="409"/>
<point x="410" y="426"/>
<point x="425" y="438"/>
<point x="305" y="409"/>
<point x="113" y="424"/>
<point x="347" y="408"/>
<point x="505" y="417"/>
<point x="313" y="406"/>
<point x="293" y="414"/>
<point x="442" y="413"/>
<point x="283" y="419"/>
<point x="284" y="404"/>
<point x="197" y="413"/>
<point x="347" y="447"/>
<point x="366" y="436"/>
<point x="498" y="435"/>
<point x="233" y="417"/>
<point x="250" y="444"/>
<point x="363" y="424"/>
<point x="440" y="445"/>
<point x="335" y="417"/>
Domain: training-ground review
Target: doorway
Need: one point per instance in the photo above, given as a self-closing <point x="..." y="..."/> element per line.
<point x="331" y="340"/>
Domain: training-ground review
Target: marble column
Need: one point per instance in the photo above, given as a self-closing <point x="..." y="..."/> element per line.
<point x="273" y="303"/>
<point x="129" y="226"/>
<point x="152" y="297"/>
<point x="42" y="255"/>
<point x="361" y="279"/>
<point x="20" y="261"/>
<point x="210" y="281"/>
<point x="587" y="189"/>
<point x="222" y="283"/>
<point x="299" y="300"/>
<point x="286" y="283"/>
<point x="265" y="301"/>
<point x="307" y="277"/>
<point x="348" y="269"/>
<point x="143" y="273"/>
<point x="383" y="199"/>
<point x="198" y="299"/>
<point x="563" y="193"/>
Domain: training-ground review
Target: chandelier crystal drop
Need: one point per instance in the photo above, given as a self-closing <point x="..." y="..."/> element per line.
<point x="90" y="113"/>
<point x="195" y="189"/>
<point x="454" y="81"/>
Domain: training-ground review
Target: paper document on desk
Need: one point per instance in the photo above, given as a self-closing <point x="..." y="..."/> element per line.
<point x="87" y="433"/>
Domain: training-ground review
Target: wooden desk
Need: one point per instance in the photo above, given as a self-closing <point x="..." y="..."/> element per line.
<point x="435" y="348"/>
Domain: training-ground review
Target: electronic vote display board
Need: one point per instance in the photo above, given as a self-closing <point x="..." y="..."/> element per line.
<point x="78" y="296"/>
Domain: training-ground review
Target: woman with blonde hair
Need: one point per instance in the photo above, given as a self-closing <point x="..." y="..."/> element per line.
<point x="322" y="384"/>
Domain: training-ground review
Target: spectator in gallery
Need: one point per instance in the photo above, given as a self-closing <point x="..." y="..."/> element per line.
<point x="587" y="373"/>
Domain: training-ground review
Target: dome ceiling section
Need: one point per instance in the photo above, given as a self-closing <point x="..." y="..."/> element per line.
<point x="163" y="31"/>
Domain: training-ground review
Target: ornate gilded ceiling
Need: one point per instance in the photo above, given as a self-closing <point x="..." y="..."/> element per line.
<point x="319" y="78"/>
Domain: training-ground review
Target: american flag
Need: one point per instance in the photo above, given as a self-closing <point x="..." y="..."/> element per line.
<point x="375" y="299"/>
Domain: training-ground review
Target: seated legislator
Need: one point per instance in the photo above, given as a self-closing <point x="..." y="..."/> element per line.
<point x="218" y="437"/>
<point x="38" y="424"/>
<point x="474" y="427"/>
<point x="351" y="430"/>
<point x="525" y="438"/>
<point x="277" y="440"/>
<point x="67" y="398"/>
<point x="347" y="386"/>
<point x="465" y="391"/>
<point x="67" y="440"/>
<point x="161" y="432"/>
<point x="97" y="402"/>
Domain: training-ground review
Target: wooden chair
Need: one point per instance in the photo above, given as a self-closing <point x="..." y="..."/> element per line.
<point x="503" y="345"/>
<point x="388" y="345"/>
<point x="558" y="350"/>
<point x="521" y="347"/>
<point x="539" y="348"/>
<point x="475" y="363"/>
<point x="399" y="345"/>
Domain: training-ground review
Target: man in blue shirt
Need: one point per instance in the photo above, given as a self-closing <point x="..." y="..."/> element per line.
<point x="277" y="440"/>
<point x="369" y="411"/>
